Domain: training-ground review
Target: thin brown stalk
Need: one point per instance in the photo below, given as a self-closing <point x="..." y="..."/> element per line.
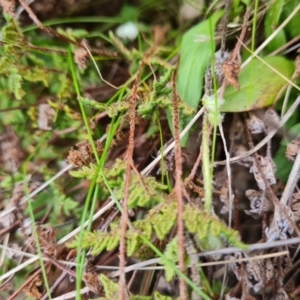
<point x="236" y="222"/>
<point x="45" y="50"/>
<point x="124" y="218"/>
<point x="60" y="36"/>
<point x="237" y="48"/>
<point x="60" y="266"/>
<point x="178" y="190"/>
<point x="195" y="168"/>
<point x="5" y="230"/>
<point x="130" y="283"/>
<point x="55" y="284"/>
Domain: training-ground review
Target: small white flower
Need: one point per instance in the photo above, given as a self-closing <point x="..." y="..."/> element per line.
<point x="128" y="31"/>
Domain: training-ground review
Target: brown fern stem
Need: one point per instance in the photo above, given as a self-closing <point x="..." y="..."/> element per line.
<point x="124" y="218"/>
<point x="178" y="190"/>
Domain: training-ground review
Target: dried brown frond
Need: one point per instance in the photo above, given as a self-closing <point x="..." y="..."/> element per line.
<point x="259" y="203"/>
<point x="224" y="198"/>
<point x="295" y="205"/>
<point x="239" y="150"/>
<point x="282" y="225"/>
<point x="268" y="168"/>
<point x="195" y="188"/>
<point x="84" y="156"/>
<point x="256" y="125"/>
<point x="260" y="277"/>
<point x="46" y="116"/>
<point x="47" y="239"/>
<point x="120" y="137"/>
<point x="34" y="288"/>
<point x="231" y="70"/>
<point x="292" y="149"/>
<point x="91" y="277"/>
<point x="10" y="151"/>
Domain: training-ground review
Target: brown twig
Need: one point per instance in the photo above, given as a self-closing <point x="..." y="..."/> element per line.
<point x="5" y="230"/>
<point x="55" y="284"/>
<point x="124" y="218"/>
<point x="60" y="266"/>
<point x="178" y="190"/>
<point x="194" y="169"/>
<point x="238" y="46"/>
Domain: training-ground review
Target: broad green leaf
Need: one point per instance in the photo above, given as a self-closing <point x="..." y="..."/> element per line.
<point x="196" y="51"/>
<point x="283" y="165"/>
<point x="292" y="27"/>
<point x="260" y="88"/>
<point x="272" y="22"/>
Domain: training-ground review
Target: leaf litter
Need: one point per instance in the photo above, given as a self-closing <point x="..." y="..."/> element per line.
<point x="154" y="216"/>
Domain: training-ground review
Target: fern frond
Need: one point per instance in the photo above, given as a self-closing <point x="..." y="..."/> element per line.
<point x="209" y="229"/>
<point x="171" y="254"/>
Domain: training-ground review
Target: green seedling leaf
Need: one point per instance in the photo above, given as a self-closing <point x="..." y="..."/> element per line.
<point x="259" y="85"/>
<point x="272" y="22"/>
<point x="195" y="57"/>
